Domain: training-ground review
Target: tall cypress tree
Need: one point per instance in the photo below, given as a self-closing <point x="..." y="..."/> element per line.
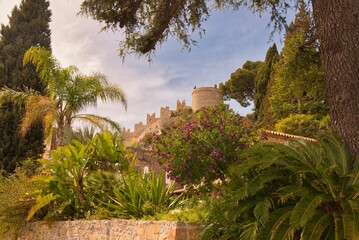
<point x="28" y="26"/>
<point x="262" y="84"/>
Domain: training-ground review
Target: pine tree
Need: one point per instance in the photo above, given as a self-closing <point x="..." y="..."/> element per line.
<point x="241" y="85"/>
<point x="28" y="26"/>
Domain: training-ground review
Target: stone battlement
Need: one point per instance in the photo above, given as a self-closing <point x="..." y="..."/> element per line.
<point x="153" y="123"/>
<point x="201" y="97"/>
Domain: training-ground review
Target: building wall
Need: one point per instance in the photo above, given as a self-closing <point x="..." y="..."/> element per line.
<point x="114" y="229"/>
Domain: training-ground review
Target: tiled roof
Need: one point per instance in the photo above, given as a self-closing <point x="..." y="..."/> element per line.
<point x="285" y="136"/>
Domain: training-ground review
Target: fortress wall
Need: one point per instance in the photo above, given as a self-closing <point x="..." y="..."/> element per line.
<point x="151" y="118"/>
<point x="201" y="97"/>
<point x="165" y="112"/>
<point x="138" y="129"/>
<point x="180" y="105"/>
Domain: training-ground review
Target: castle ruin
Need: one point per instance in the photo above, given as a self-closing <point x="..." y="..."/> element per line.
<point x="201" y="97"/>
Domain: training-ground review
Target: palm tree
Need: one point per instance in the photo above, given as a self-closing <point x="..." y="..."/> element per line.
<point x="67" y="93"/>
<point x="302" y="190"/>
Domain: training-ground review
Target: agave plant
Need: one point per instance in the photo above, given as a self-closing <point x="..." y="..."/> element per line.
<point x="143" y="195"/>
<point x="302" y="190"/>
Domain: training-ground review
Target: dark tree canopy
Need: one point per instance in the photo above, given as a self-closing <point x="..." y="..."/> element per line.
<point x="148" y="23"/>
<point x="241" y="85"/>
<point x="28" y="26"/>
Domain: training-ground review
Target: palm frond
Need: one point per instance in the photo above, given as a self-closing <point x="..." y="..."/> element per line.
<point x="315" y="227"/>
<point x="329" y="233"/>
<point x="45" y="64"/>
<point x="261" y="210"/>
<point x="290" y="192"/>
<point x="264" y="179"/>
<point x="19" y="98"/>
<point x="277" y="224"/>
<point x="338" y="154"/>
<point x="250" y="231"/>
<point x="299" y="155"/>
<point x="113" y="93"/>
<point x="307" y="206"/>
<point x="98" y="121"/>
<point x="351" y="218"/>
<point x="38" y="109"/>
<point x="86" y="90"/>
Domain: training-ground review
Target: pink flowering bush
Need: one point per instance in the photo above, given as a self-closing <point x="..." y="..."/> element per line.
<point x="199" y="148"/>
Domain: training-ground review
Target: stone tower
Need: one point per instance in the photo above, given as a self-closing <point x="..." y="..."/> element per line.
<point x="206" y="96"/>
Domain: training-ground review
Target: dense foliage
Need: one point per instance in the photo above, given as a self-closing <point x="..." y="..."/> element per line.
<point x="298" y="86"/>
<point x="302" y="190"/>
<point x="263" y="83"/>
<point x="302" y="124"/>
<point x="288" y="89"/>
<point x="97" y="179"/>
<point x="198" y="150"/>
<point x="78" y="174"/>
<point x="242" y="84"/>
<point x="28" y="26"/>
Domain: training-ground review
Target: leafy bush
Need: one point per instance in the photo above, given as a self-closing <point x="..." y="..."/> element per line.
<point x="301" y="124"/>
<point x="143" y="195"/>
<point x="198" y="149"/>
<point x="77" y="178"/>
<point x="303" y="190"/>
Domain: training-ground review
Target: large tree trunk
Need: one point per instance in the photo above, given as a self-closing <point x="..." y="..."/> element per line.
<point x="337" y="23"/>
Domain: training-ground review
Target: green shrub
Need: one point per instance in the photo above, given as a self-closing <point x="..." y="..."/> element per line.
<point x="143" y="195"/>
<point x="302" y="190"/>
<point x="198" y="149"/>
<point x="301" y="124"/>
<point x="79" y="176"/>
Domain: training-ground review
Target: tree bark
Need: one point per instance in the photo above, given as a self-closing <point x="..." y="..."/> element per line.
<point x="337" y="24"/>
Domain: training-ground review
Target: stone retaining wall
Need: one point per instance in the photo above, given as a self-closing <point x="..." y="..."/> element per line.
<point x="115" y="229"/>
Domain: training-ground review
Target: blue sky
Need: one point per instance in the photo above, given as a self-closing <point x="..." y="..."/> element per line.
<point x="231" y="38"/>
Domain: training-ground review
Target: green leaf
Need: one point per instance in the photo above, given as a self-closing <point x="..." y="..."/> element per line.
<point x="41" y="201"/>
<point x="315" y="227"/>
<point x="261" y="211"/>
<point x="350" y="218"/>
<point x="278" y="224"/>
<point x="337" y="153"/>
<point x="250" y="231"/>
<point x="307" y="207"/>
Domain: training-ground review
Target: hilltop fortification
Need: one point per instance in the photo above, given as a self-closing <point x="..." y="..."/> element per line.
<point x="206" y="96"/>
<point x="201" y="97"/>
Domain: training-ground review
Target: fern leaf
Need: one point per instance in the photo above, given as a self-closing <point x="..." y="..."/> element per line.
<point x="41" y="201"/>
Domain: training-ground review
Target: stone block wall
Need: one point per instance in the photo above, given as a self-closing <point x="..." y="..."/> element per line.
<point x="115" y="229"/>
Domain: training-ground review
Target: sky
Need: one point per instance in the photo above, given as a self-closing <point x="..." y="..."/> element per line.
<point x="231" y="39"/>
